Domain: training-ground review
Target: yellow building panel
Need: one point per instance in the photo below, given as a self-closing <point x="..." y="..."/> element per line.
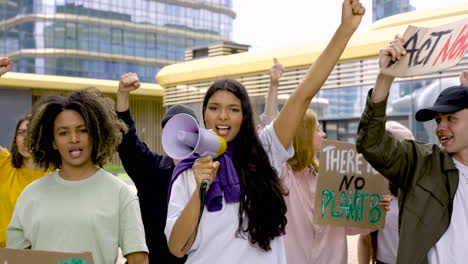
<point x="361" y="46"/>
<point x="51" y="82"/>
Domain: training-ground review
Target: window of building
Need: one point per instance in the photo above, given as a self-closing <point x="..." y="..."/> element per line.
<point x="200" y="53"/>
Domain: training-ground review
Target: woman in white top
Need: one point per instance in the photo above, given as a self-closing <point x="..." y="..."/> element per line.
<point x="247" y="223"/>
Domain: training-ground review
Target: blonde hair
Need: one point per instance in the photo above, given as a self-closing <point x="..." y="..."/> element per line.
<point x="303" y="143"/>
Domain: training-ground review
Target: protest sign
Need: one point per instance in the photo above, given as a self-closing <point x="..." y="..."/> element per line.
<point x="430" y="49"/>
<point x="26" y="256"/>
<point x="348" y="188"/>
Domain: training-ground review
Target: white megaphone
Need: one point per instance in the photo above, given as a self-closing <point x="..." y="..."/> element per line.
<point x="181" y="137"/>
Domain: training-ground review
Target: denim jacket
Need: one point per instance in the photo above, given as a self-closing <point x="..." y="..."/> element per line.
<point x="425" y="175"/>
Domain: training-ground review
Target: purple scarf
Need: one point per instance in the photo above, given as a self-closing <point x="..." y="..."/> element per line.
<point x="226" y="181"/>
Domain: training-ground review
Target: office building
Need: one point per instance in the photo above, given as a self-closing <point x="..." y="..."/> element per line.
<point x="106" y="38"/>
<point x="386" y="8"/>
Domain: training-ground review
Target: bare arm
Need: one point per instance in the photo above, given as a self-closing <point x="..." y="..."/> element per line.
<point x="364" y="256"/>
<point x="5" y="65"/>
<point x="182" y="237"/>
<point x="276" y="72"/>
<point x="137" y="258"/>
<point x="464" y="78"/>
<point x="293" y="112"/>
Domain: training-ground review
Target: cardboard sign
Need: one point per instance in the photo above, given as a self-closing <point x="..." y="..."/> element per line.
<point x="25" y="256"/>
<point x="431" y="49"/>
<point x="348" y="188"/>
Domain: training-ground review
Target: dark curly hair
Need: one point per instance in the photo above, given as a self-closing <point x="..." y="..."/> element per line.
<point x="262" y="193"/>
<point x="98" y="112"/>
<point x="16" y="158"/>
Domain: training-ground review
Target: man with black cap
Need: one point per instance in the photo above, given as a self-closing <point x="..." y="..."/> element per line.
<point x="151" y="172"/>
<point x="432" y="179"/>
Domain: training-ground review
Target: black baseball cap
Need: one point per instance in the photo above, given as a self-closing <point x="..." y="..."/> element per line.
<point x="177" y="109"/>
<point x="450" y="100"/>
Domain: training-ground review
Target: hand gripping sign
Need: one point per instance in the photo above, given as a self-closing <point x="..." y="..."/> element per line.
<point x="431" y="49"/>
<point x="348" y="188"/>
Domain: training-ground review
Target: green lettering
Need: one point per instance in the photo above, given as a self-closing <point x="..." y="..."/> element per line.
<point x="346" y="204"/>
<point x="334" y="213"/>
<point x="326" y="197"/>
<point x="359" y="199"/>
<point x="374" y="208"/>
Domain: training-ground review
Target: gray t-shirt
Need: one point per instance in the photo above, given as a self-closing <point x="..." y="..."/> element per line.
<point x="98" y="214"/>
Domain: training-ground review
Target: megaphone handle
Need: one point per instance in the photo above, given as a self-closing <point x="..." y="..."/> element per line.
<point x="203" y="187"/>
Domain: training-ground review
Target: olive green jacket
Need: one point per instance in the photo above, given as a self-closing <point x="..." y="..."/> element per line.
<point x="425" y="175"/>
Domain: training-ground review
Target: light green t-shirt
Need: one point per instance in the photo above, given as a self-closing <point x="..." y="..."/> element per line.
<point x="97" y="214"/>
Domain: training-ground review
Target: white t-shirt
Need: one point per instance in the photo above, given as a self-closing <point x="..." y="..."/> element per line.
<point x="452" y="247"/>
<point x="387" y="239"/>
<point x="216" y="240"/>
<point x="97" y="214"/>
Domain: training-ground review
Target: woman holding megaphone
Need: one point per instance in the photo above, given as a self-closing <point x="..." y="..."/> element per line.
<point x="244" y="220"/>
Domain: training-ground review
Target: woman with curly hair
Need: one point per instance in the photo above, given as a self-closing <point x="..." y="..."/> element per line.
<point x="245" y="213"/>
<point x="17" y="169"/>
<point x="79" y="207"/>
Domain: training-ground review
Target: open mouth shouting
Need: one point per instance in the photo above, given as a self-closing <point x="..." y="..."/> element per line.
<point x="75" y="152"/>
<point x="445" y="139"/>
<point x="223" y="130"/>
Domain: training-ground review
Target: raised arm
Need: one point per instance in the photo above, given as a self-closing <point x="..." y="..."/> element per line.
<point x="380" y="148"/>
<point x="128" y="82"/>
<point x="293" y="112"/>
<point x="271" y="104"/>
<point x="139" y="161"/>
<point x="392" y="52"/>
<point x="276" y="72"/>
<point x="5" y="65"/>
<point x="464" y="78"/>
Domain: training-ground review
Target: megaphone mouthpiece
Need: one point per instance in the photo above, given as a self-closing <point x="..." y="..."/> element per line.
<point x="188" y="138"/>
<point x="182" y="137"/>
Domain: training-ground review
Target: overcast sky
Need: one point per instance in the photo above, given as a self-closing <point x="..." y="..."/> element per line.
<point x="267" y="24"/>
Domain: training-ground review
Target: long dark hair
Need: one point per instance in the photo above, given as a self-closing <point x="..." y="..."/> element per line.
<point x="262" y="193"/>
<point x="16" y="158"/>
<point x="100" y="118"/>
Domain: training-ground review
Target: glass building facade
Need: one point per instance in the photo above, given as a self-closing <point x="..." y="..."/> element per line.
<point x="385" y="8"/>
<point x="106" y="38"/>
